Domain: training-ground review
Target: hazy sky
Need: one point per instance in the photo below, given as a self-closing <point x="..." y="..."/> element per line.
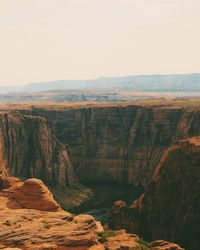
<point x="72" y="39"/>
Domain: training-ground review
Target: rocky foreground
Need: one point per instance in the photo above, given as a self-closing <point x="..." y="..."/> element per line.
<point x="31" y="219"/>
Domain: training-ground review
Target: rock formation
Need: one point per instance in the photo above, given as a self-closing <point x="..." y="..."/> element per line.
<point x="29" y="149"/>
<point x="28" y="223"/>
<point x="31" y="193"/>
<point x="122" y="143"/>
<point x="170" y="207"/>
<point x="34" y="220"/>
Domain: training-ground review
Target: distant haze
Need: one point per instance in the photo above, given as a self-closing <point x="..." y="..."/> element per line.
<point x="149" y="83"/>
<point x="44" y="40"/>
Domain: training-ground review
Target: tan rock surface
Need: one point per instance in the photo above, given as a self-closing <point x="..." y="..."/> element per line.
<point x="31" y="219"/>
<point x="164" y="245"/>
<point x="33" y="229"/>
<point x="122" y="240"/>
<point x="32" y="194"/>
<point x="7" y="182"/>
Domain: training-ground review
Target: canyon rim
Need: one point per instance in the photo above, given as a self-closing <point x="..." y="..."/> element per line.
<point x="78" y="149"/>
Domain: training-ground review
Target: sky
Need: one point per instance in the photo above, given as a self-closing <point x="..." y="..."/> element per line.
<point x="43" y="40"/>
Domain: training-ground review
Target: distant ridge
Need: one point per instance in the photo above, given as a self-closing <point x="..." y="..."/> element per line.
<point x="159" y="83"/>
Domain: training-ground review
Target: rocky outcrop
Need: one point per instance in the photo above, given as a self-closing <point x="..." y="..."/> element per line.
<point x="29" y="149"/>
<point x="28" y="223"/>
<point x="121" y="143"/>
<point x="31" y="219"/>
<point x="122" y="240"/>
<point x="31" y="193"/>
<point x="163" y="245"/>
<point x="170" y="207"/>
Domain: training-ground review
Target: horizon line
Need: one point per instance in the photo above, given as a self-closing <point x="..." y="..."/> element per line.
<point x="98" y="77"/>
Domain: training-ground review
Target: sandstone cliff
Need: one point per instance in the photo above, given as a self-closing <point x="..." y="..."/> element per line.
<point x="29" y="149"/>
<point x="123" y="144"/>
<point x="119" y="143"/>
<point x="170" y="207"/>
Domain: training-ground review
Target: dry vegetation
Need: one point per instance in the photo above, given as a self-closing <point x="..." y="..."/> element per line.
<point x="185" y="103"/>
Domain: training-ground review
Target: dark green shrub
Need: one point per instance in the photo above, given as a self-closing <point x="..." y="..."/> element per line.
<point x="105" y="235"/>
<point x="143" y="244"/>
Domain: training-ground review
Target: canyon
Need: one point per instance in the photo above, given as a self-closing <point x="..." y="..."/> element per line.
<point x="119" y="143"/>
<point x="170" y="206"/>
<point x="150" y="145"/>
<point x="29" y="149"/>
<point x="32" y="220"/>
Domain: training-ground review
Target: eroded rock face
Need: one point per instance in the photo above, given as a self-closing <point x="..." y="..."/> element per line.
<point x="122" y="240"/>
<point x="170" y="207"/>
<point x="32" y="194"/>
<point x="29" y="149"/>
<point x="164" y="245"/>
<point x="119" y="143"/>
<point x="31" y="219"/>
<point x="124" y="144"/>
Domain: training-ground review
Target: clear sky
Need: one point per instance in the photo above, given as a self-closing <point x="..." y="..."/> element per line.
<point x="77" y="39"/>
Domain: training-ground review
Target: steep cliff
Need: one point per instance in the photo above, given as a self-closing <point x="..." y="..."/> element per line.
<point x="29" y="149"/>
<point x="128" y="144"/>
<point x="170" y="207"/>
<point x="122" y="143"/>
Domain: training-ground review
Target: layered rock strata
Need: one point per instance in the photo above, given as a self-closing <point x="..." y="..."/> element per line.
<point x="29" y="149"/>
<point x="170" y="207"/>
<point x="36" y="221"/>
<point x="119" y="143"/>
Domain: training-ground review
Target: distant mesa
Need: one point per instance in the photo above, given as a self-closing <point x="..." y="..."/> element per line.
<point x="112" y="89"/>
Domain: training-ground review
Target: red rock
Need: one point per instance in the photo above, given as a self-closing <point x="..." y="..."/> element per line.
<point x="170" y="207"/>
<point x="32" y="194"/>
<point x="122" y="240"/>
<point x="23" y="227"/>
<point x="50" y="228"/>
<point x="119" y="142"/>
<point x="163" y="245"/>
<point x="29" y="149"/>
<point x="8" y="182"/>
<point x="120" y="203"/>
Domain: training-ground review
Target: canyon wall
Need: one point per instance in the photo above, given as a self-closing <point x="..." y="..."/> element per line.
<point x="154" y="145"/>
<point x="170" y="207"/>
<point x="119" y="143"/>
<point x="29" y="149"/>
